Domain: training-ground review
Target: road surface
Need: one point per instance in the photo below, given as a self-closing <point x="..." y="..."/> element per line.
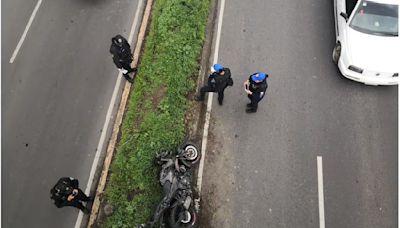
<point x="55" y="96"/>
<point x="261" y="169"/>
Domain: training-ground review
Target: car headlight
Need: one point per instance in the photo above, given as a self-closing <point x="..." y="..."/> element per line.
<point x="355" y="69"/>
<point x="395" y="75"/>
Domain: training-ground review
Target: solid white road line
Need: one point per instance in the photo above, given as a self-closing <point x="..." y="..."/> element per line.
<point x="21" y="40"/>
<point x="107" y="121"/>
<point x="209" y="101"/>
<point x="135" y="21"/>
<point x="217" y="41"/>
<point x="321" y="193"/>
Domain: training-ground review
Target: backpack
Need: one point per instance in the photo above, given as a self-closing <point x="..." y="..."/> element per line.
<point x="230" y="81"/>
<point x="61" y="189"/>
<point x="114" y="49"/>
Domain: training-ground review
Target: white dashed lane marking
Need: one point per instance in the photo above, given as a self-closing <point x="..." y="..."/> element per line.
<point x="21" y="40"/>
<point x="321" y="206"/>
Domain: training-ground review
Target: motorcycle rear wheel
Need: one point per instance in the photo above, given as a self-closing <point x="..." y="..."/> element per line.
<point x="179" y="217"/>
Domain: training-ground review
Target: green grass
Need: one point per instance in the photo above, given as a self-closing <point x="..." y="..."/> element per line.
<point x="156" y="110"/>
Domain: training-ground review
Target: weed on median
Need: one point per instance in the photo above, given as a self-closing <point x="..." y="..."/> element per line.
<point x="155" y="115"/>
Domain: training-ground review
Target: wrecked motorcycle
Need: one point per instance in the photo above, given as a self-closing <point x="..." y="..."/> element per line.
<point x="177" y="207"/>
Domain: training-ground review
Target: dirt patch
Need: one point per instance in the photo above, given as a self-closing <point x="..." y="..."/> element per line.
<point x="158" y="96"/>
<point x="133" y="193"/>
<point x="192" y="120"/>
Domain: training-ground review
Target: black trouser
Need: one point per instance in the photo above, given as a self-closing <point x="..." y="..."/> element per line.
<point x="77" y="201"/>
<point x="77" y="204"/>
<point x="127" y="66"/>
<point x="208" y="88"/>
<point x="82" y="196"/>
<point x="253" y="102"/>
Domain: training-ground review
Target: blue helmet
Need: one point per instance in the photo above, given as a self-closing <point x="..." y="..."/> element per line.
<point x="259" y="76"/>
<point x="218" y="67"/>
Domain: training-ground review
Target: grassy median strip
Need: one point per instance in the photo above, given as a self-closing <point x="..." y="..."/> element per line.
<point x="157" y="106"/>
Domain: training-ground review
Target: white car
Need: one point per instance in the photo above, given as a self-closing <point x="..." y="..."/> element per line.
<point x="367" y="46"/>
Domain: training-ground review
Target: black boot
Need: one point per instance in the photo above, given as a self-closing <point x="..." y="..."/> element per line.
<point x="251" y="110"/>
<point x="132" y="70"/>
<point x="249" y="105"/>
<point x="129" y="79"/>
<point x="220" y="102"/>
<point x="198" y="98"/>
<point x="86" y="210"/>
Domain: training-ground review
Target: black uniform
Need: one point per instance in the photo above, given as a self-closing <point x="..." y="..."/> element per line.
<point x="64" y="188"/>
<point x="122" y="55"/>
<point x="258" y="92"/>
<point x="217" y="83"/>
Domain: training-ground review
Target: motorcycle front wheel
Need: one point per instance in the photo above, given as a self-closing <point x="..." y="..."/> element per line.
<point x="179" y="217"/>
<point x="191" y="153"/>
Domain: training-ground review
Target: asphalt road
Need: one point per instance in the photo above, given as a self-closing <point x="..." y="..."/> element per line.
<point x="261" y="169"/>
<point x="55" y="96"/>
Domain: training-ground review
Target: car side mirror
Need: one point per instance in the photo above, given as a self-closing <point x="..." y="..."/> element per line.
<point x="344" y="15"/>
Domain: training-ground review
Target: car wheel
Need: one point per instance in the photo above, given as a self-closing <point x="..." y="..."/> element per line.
<point x="336" y="53"/>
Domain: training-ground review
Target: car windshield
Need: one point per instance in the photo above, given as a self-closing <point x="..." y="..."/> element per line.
<point x="376" y="18"/>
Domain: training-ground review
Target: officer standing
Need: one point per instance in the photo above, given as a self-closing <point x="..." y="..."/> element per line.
<point x="255" y="87"/>
<point x="66" y="192"/>
<point x="122" y="55"/>
<point x="218" y="80"/>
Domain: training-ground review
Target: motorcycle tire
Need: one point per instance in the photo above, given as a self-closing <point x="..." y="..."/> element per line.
<point x="179" y="217"/>
<point x="191" y="153"/>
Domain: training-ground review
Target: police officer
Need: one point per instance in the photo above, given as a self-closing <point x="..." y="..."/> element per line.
<point x="218" y="80"/>
<point x="122" y="55"/>
<point x="66" y="192"/>
<point x="255" y="87"/>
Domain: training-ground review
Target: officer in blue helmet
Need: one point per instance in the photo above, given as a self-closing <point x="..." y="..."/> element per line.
<point x="255" y="87"/>
<point x="218" y="80"/>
